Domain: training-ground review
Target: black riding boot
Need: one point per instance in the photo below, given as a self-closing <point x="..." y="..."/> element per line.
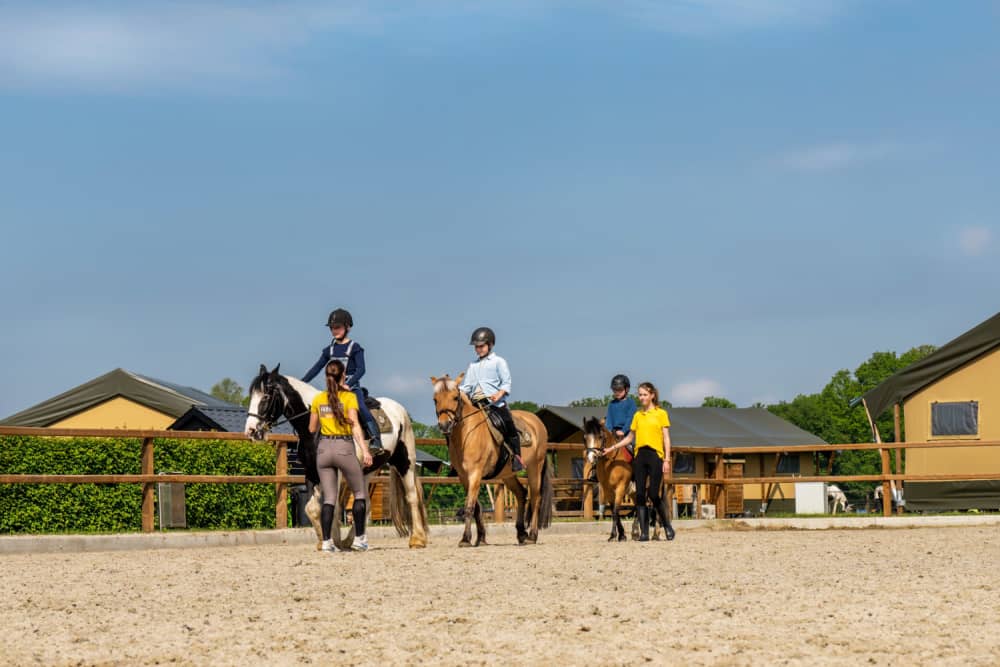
<point x="643" y="513"/>
<point x="514" y="440"/>
<point x="661" y="511"/>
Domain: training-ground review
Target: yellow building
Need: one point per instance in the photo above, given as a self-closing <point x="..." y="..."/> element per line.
<point x="951" y="394"/>
<point x="707" y="428"/>
<point x="119" y="399"/>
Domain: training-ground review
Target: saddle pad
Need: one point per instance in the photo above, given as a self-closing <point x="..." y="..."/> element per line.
<point x="382" y="419"/>
<point x="526" y="439"/>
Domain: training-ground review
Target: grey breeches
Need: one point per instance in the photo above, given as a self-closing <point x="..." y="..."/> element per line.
<point x="339" y="453"/>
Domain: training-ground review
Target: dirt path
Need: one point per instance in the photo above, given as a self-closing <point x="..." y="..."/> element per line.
<point x="921" y="596"/>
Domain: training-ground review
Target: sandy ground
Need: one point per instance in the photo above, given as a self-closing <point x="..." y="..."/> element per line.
<point x="917" y="596"/>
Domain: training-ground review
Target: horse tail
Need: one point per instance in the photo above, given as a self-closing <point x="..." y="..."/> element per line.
<point x="399" y="465"/>
<point x="338" y="508"/>
<point x="547" y="500"/>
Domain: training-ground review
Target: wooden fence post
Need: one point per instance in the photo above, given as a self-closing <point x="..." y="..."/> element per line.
<point x="148" y="488"/>
<point x="886" y="487"/>
<point x="720" y="473"/>
<point x="899" y="452"/>
<point x="281" y="488"/>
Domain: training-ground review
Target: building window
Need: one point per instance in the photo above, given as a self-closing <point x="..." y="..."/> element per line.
<point x="684" y="464"/>
<point x="955" y="419"/>
<point x="788" y="465"/>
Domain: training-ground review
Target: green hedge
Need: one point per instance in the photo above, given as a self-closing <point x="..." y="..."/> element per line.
<point x="56" y="508"/>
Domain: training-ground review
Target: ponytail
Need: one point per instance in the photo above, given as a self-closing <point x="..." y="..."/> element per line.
<point x="334" y="378"/>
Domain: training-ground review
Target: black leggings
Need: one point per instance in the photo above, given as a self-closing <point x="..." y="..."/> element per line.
<point x="647" y="466"/>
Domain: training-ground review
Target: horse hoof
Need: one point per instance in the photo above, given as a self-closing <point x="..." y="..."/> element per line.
<point x="622" y="538"/>
<point x="416" y="543"/>
<point x="319" y="546"/>
<point x="465" y="543"/>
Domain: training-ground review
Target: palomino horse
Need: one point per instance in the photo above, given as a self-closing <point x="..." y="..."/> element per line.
<point x="474" y="455"/>
<point x="274" y="396"/>
<point x="614" y="472"/>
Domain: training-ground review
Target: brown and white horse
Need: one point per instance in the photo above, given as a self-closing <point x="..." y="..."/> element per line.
<point x="474" y="455"/>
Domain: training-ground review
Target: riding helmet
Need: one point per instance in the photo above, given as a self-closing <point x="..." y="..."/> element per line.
<point x="483" y="335"/>
<point x="340" y="316"/>
<point x="620" y="382"/>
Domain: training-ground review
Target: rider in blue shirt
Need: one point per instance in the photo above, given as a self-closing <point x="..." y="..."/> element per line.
<point x="487" y="383"/>
<point x="621" y="409"/>
<point x="352" y="355"/>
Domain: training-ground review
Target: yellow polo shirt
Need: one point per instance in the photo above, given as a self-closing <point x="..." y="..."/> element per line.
<point x="328" y="425"/>
<point x="648" y="429"/>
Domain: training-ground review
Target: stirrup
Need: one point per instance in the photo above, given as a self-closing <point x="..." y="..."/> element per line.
<point x="516" y="463"/>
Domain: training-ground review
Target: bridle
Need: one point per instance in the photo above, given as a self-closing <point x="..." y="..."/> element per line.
<point x="456" y="413"/>
<point x="272" y="419"/>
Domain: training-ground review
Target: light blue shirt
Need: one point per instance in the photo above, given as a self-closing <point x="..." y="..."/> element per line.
<point x="490" y="373"/>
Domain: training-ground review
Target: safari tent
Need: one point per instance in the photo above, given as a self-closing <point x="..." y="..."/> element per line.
<point x="951" y="394"/>
<point x="707" y="428"/>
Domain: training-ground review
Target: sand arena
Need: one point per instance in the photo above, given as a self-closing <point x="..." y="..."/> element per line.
<point x="723" y="597"/>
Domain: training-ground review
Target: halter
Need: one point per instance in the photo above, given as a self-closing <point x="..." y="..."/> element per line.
<point x="599" y="450"/>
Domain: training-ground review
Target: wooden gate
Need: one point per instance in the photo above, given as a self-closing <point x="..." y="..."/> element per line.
<point x="734" y="493"/>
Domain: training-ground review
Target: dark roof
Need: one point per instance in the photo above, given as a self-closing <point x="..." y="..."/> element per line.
<point x="948" y="358"/>
<point x="695" y="427"/>
<point x="231" y="418"/>
<point x="166" y="397"/>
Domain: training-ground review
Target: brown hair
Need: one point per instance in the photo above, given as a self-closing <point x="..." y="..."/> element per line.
<point x="334" y="378"/>
<point x="648" y="386"/>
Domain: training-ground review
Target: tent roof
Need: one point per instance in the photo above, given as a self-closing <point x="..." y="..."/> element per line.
<point x="166" y="397"/>
<point x="949" y="357"/>
<point x="695" y="427"/>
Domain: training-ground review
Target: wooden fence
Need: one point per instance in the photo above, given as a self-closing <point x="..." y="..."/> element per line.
<point x="281" y="479"/>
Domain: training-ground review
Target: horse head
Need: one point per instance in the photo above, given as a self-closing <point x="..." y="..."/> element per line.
<point x="594" y="438"/>
<point x="268" y="399"/>
<point x="447" y="401"/>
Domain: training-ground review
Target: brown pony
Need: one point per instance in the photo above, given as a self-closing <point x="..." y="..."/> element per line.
<point x="474" y="454"/>
<point x="614" y="472"/>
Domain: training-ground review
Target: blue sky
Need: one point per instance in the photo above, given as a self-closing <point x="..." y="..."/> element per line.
<point x="734" y="198"/>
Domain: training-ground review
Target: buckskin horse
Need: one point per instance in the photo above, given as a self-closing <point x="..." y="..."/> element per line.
<point x="614" y="471"/>
<point x="477" y="457"/>
<point x="274" y="397"/>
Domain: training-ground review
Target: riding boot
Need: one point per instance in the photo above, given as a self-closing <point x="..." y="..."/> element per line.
<point x="661" y="511"/>
<point x="326" y="521"/>
<point x="643" y="513"/>
<point x="514" y="440"/>
<point x="374" y="438"/>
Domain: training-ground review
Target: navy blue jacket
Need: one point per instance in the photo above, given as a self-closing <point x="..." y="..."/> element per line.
<point x="620" y="413"/>
<point x="355" y="367"/>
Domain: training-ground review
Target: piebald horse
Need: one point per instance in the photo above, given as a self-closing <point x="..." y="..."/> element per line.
<point x="474" y="455"/>
<point x="274" y="396"/>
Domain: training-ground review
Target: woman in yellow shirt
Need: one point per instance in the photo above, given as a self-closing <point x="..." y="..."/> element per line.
<point x="334" y="413"/>
<point x="651" y="433"/>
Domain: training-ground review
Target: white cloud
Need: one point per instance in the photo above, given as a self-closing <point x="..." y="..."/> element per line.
<point x="974" y="241"/>
<point x="126" y="46"/>
<point x="706" y="17"/>
<point x="694" y="392"/>
<point x="826" y="157"/>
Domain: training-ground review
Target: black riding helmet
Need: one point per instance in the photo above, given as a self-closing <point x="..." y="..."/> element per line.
<point x="619" y="382"/>
<point x="340" y="316"/>
<point x="483" y="335"/>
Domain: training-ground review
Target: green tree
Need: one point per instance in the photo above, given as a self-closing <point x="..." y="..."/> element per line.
<point x="595" y="402"/>
<point x="530" y="406"/>
<point x="717" y="402"/>
<point x="227" y="389"/>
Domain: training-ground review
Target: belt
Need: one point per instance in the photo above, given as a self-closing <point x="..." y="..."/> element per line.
<point x="336" y="437"/>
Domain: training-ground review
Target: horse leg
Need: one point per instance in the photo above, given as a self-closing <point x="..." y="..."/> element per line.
<point x="480" y="525"/>
<point x="534" y="499"/>
<point x="616" y="518"/>
<point x="520" y="496"/>
<point x="471" y="500"/>
<point x="314" y="512"/>
<point x="418" y="535"/>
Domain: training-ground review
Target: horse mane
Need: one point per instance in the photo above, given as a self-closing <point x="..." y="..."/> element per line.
<point x="592" y="426"/>
<point x="258" y="382"/>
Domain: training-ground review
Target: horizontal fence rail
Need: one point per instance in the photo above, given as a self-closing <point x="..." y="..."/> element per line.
<point x="281" y="479"/>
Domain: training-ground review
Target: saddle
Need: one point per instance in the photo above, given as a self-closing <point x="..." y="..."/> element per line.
<point x="378" y="414"/>
<point x="496" y="432"/>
